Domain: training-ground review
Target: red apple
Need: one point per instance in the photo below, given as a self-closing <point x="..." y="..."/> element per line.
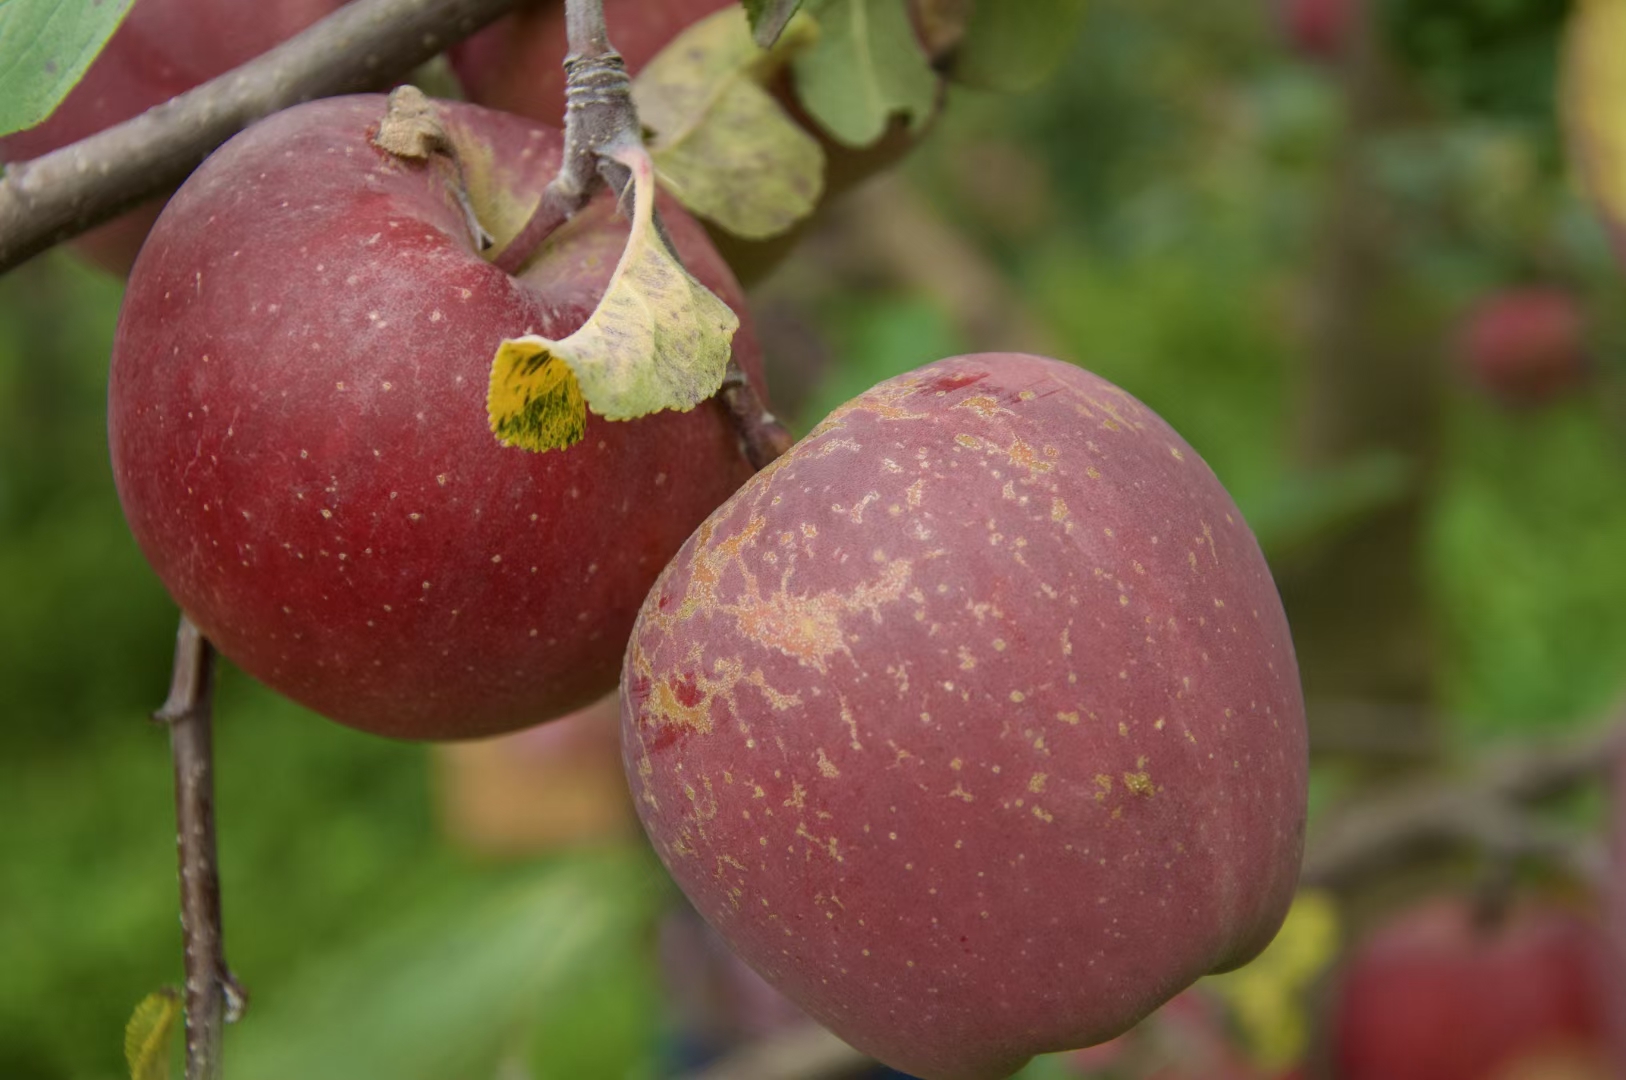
<point x="1525" y="347"/>
<point x="1435" y="995"/>
<point x="163" y="48"/>
<point x="973" y="722"/>
<point x="300" y="441"/>
<point x="1319" y="29"/>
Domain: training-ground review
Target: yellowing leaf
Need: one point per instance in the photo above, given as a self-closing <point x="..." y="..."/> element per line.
<point x="534" y="400"/>
<point x="866" y="67"/>
<point x="1270" y="995"/>
<point x="1594" y="102"/>
<point x="657" y="340"/>
<point x="147" y="1035"/>
<point x="722" y="144"/>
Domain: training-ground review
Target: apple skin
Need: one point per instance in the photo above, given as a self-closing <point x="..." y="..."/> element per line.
<point x="1318" y="29"/>
<point x="161" y="49"/>
<point x="297" y="416"/>
<point x="1525" y="347"/>
<point x="1435" y="996"/>
<point x="973" y="722"/>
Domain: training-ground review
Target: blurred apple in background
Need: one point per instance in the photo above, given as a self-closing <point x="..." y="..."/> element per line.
<point x="556" y="785"/>
<point x="1442" y="993"/>
<point x="163" y="48"/>
<point x="1525" y="346"/>
<point x="1318" y="29"/>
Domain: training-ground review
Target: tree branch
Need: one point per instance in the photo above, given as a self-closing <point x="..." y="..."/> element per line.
<point x="1488" y="810"/>
<point x="599" y="113"/>
<point x="365" y="45"/>
<point x="213" y="996"/>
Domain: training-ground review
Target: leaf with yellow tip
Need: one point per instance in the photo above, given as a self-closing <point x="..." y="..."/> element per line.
<point x="147" y="1035"/>
<point x="1270" y="995"/>
<point x="1594" y="104"/>
<point x="657" y="340"/>
<point x="534" y="400"/>
<point x="722" y="144"/>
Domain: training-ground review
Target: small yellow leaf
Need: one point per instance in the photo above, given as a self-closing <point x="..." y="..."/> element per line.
<point x="1594" y="102"/>
<point x="534" y="400"/>
<point x="147" y="1035"/>
<point x="657" y="340"/>
<point x="1270" y="995"/>
<point x="722" y="144"/>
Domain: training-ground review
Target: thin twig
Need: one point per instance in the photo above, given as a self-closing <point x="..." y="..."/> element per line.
<point x="599" y="114"/>
<point x="213" y="996"/>
<point x="1489" y="810"/>
<point x="365" y="45"/>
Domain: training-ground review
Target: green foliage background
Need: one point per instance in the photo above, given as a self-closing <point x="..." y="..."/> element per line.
<point x="1171" y="176"/>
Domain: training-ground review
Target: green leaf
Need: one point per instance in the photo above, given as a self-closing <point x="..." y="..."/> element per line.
<point x="866" y="67"/>
<point x="657" y="340"/>
<point x="1015" y="46"/>
<point x="723" y="145"/>
<point x="45" y="47"/>
<point x="1594" y="104"/>
<point x="454" y="985"/>
<point x="609" y="1024"/>
<point x="769" y="18"/>
<point x="147" y="1035"/>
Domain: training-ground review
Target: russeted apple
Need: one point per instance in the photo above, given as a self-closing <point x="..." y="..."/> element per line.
<point x="161" y="49"/>
<point x="300" y="440"/>
<point x="973" y="722"/>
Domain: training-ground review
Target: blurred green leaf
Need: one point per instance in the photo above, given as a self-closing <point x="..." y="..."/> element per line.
<point x="1010" y="47"/>
<point x="449" y="987"/>
<point x="1306" y="507"/>
<point x="45" y="47"/>
<point x="609" y="1023"/>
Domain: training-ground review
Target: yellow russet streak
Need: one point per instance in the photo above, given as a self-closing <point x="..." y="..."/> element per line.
<point x="984" y="406"/>
<point x="665" y="707"/>
<point x="711" y="563"/>
<point x="808" y="628"/>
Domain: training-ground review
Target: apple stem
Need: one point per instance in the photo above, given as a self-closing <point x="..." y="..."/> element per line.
<point x="762" y="436"/>
<point x="213" y="995"/>
<point x="599" y="114"/>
